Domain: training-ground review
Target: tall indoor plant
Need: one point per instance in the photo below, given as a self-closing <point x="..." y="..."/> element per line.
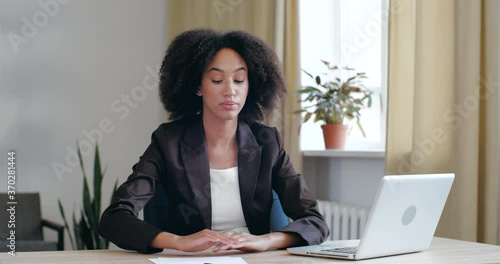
<point x="86" y="229"/>
<point x="334" y="100"/>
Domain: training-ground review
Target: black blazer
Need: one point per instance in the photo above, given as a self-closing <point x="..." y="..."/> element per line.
<point x="177" y="159"/>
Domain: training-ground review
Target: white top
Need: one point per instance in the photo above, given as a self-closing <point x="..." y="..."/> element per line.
<point x="227" y="213"/>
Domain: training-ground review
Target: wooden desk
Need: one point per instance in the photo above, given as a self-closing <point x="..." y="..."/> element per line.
<point x="441" y="251"/>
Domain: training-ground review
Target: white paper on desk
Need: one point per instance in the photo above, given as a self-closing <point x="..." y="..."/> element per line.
<point x="199" y="260"/>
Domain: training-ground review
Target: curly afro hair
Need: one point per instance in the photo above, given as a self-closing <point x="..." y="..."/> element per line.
<point x="190" y="52"/>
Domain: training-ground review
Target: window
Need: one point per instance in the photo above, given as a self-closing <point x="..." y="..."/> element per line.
<point x="350" y="33"/>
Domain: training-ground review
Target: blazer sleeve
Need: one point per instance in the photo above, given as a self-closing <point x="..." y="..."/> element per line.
<point x="297" y="201"/>
<point x="119" y="223"/>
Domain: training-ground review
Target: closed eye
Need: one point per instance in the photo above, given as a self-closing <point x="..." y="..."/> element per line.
<point x="216" y="81"/>
<point x="239" y="81"/>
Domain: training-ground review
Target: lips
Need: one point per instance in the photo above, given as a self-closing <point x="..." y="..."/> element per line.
<point x="229" y="105"/>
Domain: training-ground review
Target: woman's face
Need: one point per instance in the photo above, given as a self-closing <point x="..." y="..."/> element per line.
<point x="224" y="86"/>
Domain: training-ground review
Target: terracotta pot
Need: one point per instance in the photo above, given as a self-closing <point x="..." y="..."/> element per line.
<point x="334" y="135"/>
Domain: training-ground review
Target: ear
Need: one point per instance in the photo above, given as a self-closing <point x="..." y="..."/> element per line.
<point x="198" y="92"/>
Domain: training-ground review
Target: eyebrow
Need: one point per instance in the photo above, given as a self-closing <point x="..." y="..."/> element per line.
<point x="220" y="70"/>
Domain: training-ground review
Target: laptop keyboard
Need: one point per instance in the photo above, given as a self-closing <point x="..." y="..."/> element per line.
<point x="346" y="250"/>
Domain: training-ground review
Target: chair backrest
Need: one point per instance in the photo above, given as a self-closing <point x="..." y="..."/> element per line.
<point x="156" y="211"/>
<point x="278" y="216"/>
<point x="27" y="217"/>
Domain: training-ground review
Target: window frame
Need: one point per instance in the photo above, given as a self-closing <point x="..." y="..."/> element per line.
<point x="340" y="19"/>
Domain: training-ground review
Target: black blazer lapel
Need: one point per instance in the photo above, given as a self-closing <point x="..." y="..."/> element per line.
<point x="195" y="157"/>
<point x="249" y="153"/>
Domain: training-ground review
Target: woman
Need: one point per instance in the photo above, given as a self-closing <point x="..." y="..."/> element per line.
<point x="217" y="164"/>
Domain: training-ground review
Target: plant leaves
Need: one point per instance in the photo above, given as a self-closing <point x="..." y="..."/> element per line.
<point x="97" y="197"/>
<point x="104" y="243"/>
<point x="360" y="127"/>
<point x="76" y="230"/>
<point x="307" y="117"/>
<point x="86" y="233"/>
<point x="88" y="204"/>
<point x="317" y="116"/>
<point x="61" y="210"/>
<point x="336" y="98"/>
<point x="308" y="74"/>
<point x="299" y="111"/>
<point x="80" y="159"/>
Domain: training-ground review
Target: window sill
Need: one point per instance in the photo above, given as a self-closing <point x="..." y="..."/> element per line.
<point x="343" y="153"/>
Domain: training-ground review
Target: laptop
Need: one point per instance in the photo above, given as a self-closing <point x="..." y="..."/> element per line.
<point x="403" y="219"/>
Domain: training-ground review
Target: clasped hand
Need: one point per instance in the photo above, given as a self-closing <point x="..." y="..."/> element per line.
<point x="206" y="239"/>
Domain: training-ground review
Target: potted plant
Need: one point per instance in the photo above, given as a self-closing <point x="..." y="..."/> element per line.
<point x="86" y="229"/>
<point x="333" y="101"/>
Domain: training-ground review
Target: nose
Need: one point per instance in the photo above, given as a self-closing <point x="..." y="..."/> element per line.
<point x="229" y="90"/>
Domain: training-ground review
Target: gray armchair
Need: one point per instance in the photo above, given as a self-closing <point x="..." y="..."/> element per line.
<point x="29" y="224"/>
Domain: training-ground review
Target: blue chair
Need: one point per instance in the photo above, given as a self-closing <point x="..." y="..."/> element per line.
<point x="156" y="211"/>
<point x="278" y="216"/>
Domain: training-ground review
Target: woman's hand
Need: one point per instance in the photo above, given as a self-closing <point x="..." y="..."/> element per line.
<point x="196" y="242"/>
<point x="202" y="240"/>
<point x="225" y="241"/>
<point x="246" y="242"/>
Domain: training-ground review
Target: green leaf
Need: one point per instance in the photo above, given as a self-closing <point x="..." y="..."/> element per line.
<point x="308" y="74"/>
<point x="78" y="237"/>
<point x="351" y="78"/>
<point x="354" y="89"/>
<point x="317" y="116"/>
<point x="104" y="243"/>
<point x="95" y="235"/>
<point x="97" y="196"/>
<point x="381" y="103"/>
<point x="86" y="233"/>
<point x="307" y="117"/>
<point x="361" y="128"/>
<point x="333" y="84"/>
<point x="87" y="205"/>
<point x="61" y="210"/>
<point x="87" y="202"/>
<point x="80" y="159"/>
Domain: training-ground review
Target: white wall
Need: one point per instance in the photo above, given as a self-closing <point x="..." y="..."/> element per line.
<point x="347" y="180"/>
<point x="74" y="60"/>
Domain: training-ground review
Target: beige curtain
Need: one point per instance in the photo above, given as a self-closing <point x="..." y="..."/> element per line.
<point x="276" y="22"/>
<point x="443" y="106"/>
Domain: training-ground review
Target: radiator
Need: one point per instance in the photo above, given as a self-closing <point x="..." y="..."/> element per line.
<point x="345" y="222"/>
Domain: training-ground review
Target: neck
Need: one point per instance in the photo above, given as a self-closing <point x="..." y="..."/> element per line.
<point x="220" y="134"/>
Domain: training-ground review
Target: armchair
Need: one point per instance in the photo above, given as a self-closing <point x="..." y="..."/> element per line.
<point x="28" y="225"/>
